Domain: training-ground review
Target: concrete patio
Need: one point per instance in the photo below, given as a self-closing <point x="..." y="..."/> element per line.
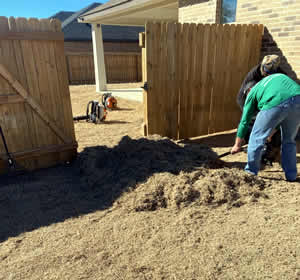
<point x="135" y="94"/>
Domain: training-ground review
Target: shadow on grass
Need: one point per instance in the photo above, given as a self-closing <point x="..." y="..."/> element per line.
<point x="124" y="109"/>
<point x="236" y="164"/>
<point x="113" y="122"/>
<point x="93" y="182"/>
<point x="138" y="89"/>
<point x="214" y="140"/>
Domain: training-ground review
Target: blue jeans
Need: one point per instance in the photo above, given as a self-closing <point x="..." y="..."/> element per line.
<point x="287" y="115"/>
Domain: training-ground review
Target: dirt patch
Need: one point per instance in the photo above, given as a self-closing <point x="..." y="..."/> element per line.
<point x="140" y="158"/>
<point x="133" y="161"/>
<point x="166" y="174"/>
<point x="148" y="209"/>
<point x="202" y="187"/>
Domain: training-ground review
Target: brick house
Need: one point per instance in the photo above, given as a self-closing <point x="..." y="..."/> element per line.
<point x="281" y="19"/>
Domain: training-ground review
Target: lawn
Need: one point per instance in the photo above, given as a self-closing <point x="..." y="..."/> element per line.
<point x="148" y="208"/>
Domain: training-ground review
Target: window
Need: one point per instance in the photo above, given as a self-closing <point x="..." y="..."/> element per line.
<point x="228" y="11"/>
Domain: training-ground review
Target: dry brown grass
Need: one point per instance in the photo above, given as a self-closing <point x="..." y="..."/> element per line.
<point x="183" y="217"/>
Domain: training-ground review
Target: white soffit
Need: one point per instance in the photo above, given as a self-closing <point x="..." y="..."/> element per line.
<point x="136" y="14"/>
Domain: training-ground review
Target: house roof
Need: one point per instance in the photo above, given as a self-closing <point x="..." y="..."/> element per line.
<point x="75" y="31"/>
<point x="110" y="4"/>
<point x="74" y="17"/>
<point x="63" y="15"/>
<point x="132" y="12"/>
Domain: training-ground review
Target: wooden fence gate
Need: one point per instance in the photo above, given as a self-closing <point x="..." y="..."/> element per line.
<point x="35" y="105"/>
<point x="194" y="73"/>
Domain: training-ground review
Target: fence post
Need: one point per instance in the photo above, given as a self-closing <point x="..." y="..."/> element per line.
<point x="142" y="44"/>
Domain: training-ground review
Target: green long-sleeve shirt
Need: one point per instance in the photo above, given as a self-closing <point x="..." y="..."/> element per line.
<point x="268" y="93"/>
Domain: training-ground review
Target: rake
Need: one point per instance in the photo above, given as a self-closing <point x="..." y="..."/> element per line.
<point x="13" y="167"/>
<point x="229" y="153"/>
<point x="10" y="160"/>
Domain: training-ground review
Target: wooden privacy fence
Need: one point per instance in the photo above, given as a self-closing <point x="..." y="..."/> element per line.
<point x="35" y="105"/>
<point x="194" y="73"/>
<point x="120" y="68"/>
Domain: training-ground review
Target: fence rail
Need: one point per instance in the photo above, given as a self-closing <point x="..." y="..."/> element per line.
<point x="194" y="73"/>
<point x="120" y="67"/>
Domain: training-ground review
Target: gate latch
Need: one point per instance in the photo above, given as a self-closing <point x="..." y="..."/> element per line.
<point x="145" y="86"/>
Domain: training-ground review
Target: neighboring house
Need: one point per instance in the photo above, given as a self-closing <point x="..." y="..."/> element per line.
<point x="120" y="43"/>
<point x="280" y="18"/>
<point x="78" y="37"/>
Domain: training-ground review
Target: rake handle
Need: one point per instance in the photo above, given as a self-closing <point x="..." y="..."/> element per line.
<point x="10" y="160"/>
<point x="224" y="154"/>
<point x="228" y="153"/>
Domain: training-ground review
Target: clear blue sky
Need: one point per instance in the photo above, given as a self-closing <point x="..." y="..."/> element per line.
<point x="41" y="8"/>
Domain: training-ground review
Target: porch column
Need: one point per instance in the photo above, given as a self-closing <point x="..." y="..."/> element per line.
<point x="98" y="50"/>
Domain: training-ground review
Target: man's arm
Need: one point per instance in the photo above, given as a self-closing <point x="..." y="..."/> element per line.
<point x="248" y="112"/>
<point x="253" y="76"/>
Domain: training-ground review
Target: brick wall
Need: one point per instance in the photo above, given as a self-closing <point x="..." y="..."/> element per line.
<point x="199" y="11"/>
<point x="281" y="19"/>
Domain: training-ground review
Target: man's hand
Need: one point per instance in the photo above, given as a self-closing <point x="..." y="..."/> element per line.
<point x="237" y="146"/>
<point x="235" y="149"/>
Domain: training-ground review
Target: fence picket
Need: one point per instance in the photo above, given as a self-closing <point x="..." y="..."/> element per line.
<point x="184" y="86"/>
<point x="172" y="91"/>
<point x="158" y="67"/>
<point x="163" y="49"/>
<point x="208" y="68"/>
<point x="150" y="76"/>
<point x="217" y="90"/>
<point x="197" y="109"/>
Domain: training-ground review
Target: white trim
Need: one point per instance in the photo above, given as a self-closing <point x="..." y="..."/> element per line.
<point x="125" y="10"/>
<point x="98" y="51"/>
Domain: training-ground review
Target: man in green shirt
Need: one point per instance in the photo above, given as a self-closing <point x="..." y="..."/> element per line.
<point x="277" y="97"/>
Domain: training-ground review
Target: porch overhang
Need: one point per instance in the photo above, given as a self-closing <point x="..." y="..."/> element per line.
<point x="132" y="12"/>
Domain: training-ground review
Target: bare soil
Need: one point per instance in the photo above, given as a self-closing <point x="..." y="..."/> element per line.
<point x="132" y="207"/>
